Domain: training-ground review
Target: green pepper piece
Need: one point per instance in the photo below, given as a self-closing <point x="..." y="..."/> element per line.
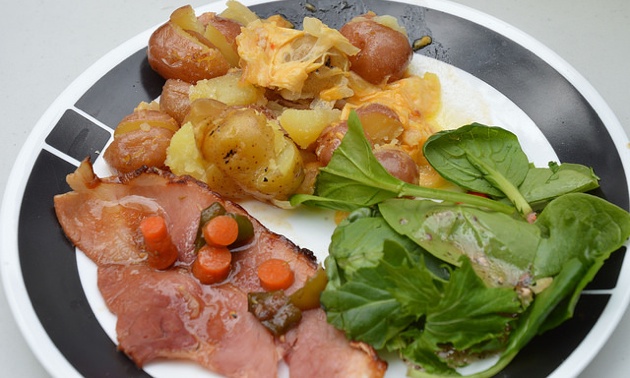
<point x="307" y="297"/>
<point x="245" y="231"/>
<point x="274" y="310"/>
<point x="215" y="209"/>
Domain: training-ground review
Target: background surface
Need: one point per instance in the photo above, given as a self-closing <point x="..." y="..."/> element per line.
<point x="45" y="45"/>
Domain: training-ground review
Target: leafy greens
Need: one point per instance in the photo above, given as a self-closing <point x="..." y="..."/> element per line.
<point x="444" y="282"/>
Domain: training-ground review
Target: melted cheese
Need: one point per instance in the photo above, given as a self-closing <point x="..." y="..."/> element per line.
<point x="299" y="63"/>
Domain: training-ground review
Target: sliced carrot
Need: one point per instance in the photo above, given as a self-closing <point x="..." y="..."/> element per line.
<point x="162" y="253"/>
<point x="221" y="230"/>
<point x="212" y="265"/>
<point x="275" y="274"/>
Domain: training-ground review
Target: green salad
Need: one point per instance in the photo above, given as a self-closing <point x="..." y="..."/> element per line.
<point x="444" y="277"/>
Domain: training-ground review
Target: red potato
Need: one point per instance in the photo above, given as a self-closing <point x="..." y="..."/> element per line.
<point x="398" y="163"/>
<point x="385" y="53"/>
<point x="380" y="122"/>
<point x="138" y="148"/>
<point x="179" y="50"/>
<point x="141" y="139"/>
<point x="175" y="100"/>
<point x="329" y="140"/>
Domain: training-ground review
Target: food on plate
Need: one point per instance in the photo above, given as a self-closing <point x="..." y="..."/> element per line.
<point x="461" y="276"/>
<point x="186" y="48"/>
<point x="384" y="49"/>
<point x="285" y="89"/>
<point x="141" y="139"/>
<point x="169" y="313"/>
<point x="161" y="252"/>
<point x="453" y="236"/>
<point x="175" y="99"/>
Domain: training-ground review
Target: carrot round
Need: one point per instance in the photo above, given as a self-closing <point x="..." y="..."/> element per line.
<point x="161" y="251"/>
<point x="275" y="274"/>
<point x="212" y="265"/>
<point x="221" y="230"/>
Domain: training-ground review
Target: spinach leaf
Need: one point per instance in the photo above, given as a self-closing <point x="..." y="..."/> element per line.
<point x="502" y="248"/>
<point x="578" y="225"/>
<point x="530" y="323"/>
<point x="364" y="312"/>
<point x="354" y="178"/>
<point x="469" y="312"/>
<point x="481" y="158"/>
<point x="358" y="242"/>
<point x="544" y="184"/>
<point x="469" y="318"/>
<point x="366" y="306"/>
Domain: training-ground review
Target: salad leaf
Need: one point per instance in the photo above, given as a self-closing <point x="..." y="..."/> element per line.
<point x="544" y="184"/>
<point x="469" y="312"/>
<point x="358" y="242"/>
<point x="365" y="311"/>
<point x="490" y="160"/>
<point x="440" y="281"/>
<point x="579" y="225"/>
<point x="482" y="159"/>
<point x="502" y="247"/>
<point x="354" y="178"/>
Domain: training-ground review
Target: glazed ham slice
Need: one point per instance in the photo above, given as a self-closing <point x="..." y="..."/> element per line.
<point x="168" y="314"/>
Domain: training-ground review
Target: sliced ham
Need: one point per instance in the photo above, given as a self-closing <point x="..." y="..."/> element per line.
<point x="168" y="314"/>
<point x="315" y="341"/>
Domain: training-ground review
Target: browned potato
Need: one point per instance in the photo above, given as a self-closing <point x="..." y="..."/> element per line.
<point x="141" y="138"/>
<point x="179" y="49"/>
<point x="203" y="113"/>
<point x="229" y="28"/>
<point x="255" y="153"/>
<point x="385" y="52"/>
<point x="329" y="140"/>
<point x="137" y="148"/>
<point x="145" y="118"/>
<point x="175" y="100"/>
<point x="380" y="122"/>
<point x="398" y="163"/>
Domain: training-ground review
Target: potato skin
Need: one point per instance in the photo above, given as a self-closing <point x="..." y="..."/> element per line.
<point x="262" y="161"/>
<point x="329" y="140"/>
<point x="176" y="54"/>
<point x="230" y="29"/>
<point x="174" y="99"/>
<point x="385" y="53"/>
<point x="398" y="163"/>
<point x="134" y="149"/>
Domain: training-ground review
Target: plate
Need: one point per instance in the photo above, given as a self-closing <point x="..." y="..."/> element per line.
<point x="48" y="286"/>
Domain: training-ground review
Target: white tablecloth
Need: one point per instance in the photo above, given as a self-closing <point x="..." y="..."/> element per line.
<point x="44" y="45"/>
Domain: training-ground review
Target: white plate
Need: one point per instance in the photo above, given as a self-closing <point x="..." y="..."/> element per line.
<point x="509" y="80"/>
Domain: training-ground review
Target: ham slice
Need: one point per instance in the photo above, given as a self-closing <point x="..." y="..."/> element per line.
<point x="168" y="314"/>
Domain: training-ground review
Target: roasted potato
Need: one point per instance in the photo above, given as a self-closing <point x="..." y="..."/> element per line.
<point x="247" y="147"/>
<point x="141" y="138"/>
<point x="398" y="163"/>
<point x="228" y="89"/>
<point x="138" y="148"/>
<point x="305" y="125"/>
<point x="181" y="49"/>
<point x="185" y="158"/>
<point x="143" y="119"/>
<point x="175" y="99"/>
<point x="385" y="51"/>
<point x="380" y="122"/>
<point x="329" y="140"/>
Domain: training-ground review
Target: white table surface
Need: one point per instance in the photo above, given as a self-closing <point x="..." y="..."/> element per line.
<point x="45" y="45"/>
